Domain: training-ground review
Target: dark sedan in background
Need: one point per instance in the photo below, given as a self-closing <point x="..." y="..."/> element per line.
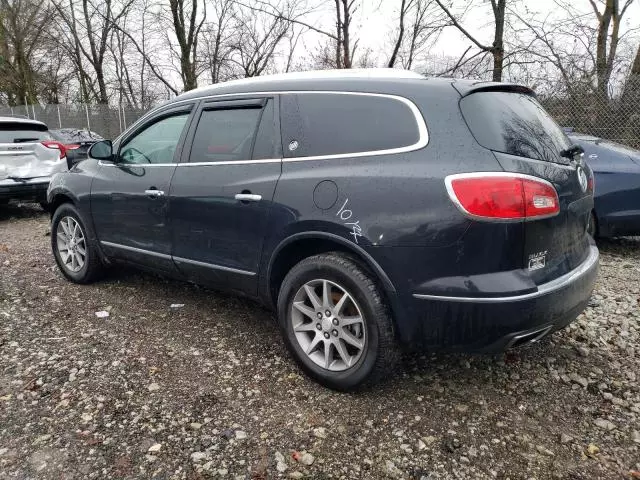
<point x="76" y="141"/>
<point x="617" y="186"/>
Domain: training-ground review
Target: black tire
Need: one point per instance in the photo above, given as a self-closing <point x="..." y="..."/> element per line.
<point x="592" y="226"/>
<point x="93" y="267"/>
<point x="380" y="352"/>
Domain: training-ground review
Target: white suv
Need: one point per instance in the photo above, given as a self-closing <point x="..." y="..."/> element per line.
<point x="28" y="158"/>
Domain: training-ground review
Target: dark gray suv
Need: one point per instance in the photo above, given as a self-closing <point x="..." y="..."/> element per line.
<point x="371" y="209"/>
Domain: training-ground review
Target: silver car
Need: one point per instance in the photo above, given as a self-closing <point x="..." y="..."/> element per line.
<point x="29" y="156"/>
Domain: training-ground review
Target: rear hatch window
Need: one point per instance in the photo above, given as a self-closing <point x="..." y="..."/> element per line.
<point x="514" y="123"/>
<point x="21" y="132"/>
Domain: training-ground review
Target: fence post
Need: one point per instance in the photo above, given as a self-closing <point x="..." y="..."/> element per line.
<point x="124" y="118"/>
<point x="59" y="120"/>
<point x="26" y="107"/>
<point x="12" y="111"/>
<point x="86" y="111"/>
<point x="119" y="122"/>
<point x="33" y="109"/>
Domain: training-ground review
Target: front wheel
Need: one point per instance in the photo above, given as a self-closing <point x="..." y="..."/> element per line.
<point x="336" y="323"/>
<point x="73" y="248"/>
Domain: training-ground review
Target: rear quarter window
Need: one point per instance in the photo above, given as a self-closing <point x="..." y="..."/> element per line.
<point x="319" y="124"/>
<point x="514" y="123"/>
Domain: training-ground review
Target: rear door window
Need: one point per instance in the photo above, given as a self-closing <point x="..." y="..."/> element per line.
<point x="225" y="135"/>
<point x="319" y="124"/>
<point x="514" y="123"/>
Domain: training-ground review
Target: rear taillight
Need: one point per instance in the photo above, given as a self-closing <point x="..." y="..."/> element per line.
<point x="57" y="146"/>
<point x="503" y="196"/>
<point x="71" y="147"/>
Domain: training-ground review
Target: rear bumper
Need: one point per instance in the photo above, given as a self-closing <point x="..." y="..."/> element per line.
<point x="29" y="189"/>
<point x="492" y="324"/>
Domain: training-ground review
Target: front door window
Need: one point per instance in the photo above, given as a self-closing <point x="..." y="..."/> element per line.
<point x="156" y="144"/>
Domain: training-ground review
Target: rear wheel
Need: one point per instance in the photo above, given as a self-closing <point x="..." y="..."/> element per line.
<point x="73" y="247"/>
<point x="336" y="323"/>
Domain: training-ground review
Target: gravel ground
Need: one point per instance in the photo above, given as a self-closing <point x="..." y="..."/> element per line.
<point x="207" y="390"/>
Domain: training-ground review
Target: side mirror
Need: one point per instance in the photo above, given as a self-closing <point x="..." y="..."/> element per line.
<point x="102" y="150"/>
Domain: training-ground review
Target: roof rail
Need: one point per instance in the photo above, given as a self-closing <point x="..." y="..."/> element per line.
<point x="319" y="74"/>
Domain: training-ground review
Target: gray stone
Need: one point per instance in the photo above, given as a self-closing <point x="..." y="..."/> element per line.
<point x="604" y="424"/>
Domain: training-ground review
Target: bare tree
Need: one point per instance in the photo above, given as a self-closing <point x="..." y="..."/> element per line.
<point x="92" y="33"/>
<point x="23" y="30"/>
<point x="582" y="47"/>
<point x="496" y="49"/>
<point x="257" y="38"/>
<point x="608" y="33"/>
<point x="419" y="25"/>
<point x="341" y="41"/>
<point x="404" y="7"/>
<point x="218" y="40"/>
<point x="632" y="85"/>
<point x="186" y="27"/>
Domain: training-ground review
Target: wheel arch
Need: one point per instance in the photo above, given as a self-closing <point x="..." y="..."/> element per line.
<point x="57" y="197"/>
<point x="302" y="245"/>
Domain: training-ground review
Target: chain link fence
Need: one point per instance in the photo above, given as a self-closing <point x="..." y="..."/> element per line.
<point x="616" y="119"/>
<point x="106" y="120"/>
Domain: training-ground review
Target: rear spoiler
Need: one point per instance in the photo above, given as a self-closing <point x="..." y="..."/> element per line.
<point x="465" y="88"/>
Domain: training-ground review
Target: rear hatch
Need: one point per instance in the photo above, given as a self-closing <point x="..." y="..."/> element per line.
<point x="76" y="141"/>
<point x="22" y="155"/>
<point x="526" y="140"/>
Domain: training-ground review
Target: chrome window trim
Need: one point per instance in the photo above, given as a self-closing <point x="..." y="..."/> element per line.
<point x="545" y="289"/>
<point x="176" y="259"/>
<point x="138" y="165"/>
<point x="452" y="195"/>
<point x="423" y="133"/>
<point x="230" y="162"/>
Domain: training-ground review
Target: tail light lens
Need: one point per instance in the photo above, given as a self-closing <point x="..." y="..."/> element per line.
<point x="57" y="146"/>
<point x="503" y="196"/>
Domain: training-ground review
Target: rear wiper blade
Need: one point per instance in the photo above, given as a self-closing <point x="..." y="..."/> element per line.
<point x="571" y="151"/>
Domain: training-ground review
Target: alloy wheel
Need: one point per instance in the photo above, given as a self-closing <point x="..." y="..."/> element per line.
<point x="71" y="244"/>
<point x="328" y="325"/>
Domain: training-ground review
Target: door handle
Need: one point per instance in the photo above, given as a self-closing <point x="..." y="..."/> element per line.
<point x="153" y="192"/>
<point x="248" y="197"/>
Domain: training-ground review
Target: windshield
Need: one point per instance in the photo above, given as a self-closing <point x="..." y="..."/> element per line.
<point x="514" y="123"/>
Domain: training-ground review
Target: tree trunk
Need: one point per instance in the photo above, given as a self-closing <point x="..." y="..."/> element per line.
<point x="346" y="23"/>
<point x="102" y="85"/>
<point x="394" y="54"/>
<point x="497" y="50"/>
<point x="631" y="93"/>
<point x="339" y="36"/>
